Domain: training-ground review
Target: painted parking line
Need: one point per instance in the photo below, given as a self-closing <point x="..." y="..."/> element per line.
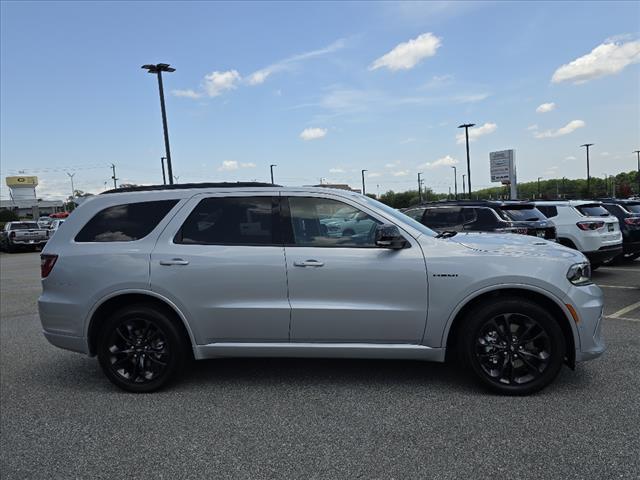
<point x="626" y="287"/>
<point x="609" y="317"/>
<point x="625" y="310"/>
<point x="620" y="269"/>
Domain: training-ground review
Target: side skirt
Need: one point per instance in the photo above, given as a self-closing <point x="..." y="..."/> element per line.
<point x="320" y="350"/>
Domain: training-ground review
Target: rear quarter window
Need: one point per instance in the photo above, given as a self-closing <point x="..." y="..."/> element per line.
<point x="125" y="223"/>
<point x="548" y="210"/>
<point x="594" y="210"/>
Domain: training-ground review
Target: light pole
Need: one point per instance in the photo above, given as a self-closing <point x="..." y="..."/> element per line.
<point x="419" y="187"/>
<point x="164" y="177"/>
<point x="158" y="69"/>
<point x="637" y="152"/>
<point x="73" y="190"/>
<point x="466" y="127"/>
<point x="587" y="145"/>
<point x="455" y="181"/>
<point x="271" y="169"/>
<point x="113" y="177"/>
<point x="539" y="186"/>
<point x="463" y="176"/>
<point x="363" y="190"/>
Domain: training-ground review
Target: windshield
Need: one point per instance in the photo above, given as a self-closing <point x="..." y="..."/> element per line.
<point x="523" y="214"/>
<point x="632" y="207"/>
<point x="401" y="217"/>
<point x="24" y="226"/>
<point x="593" y="210"/>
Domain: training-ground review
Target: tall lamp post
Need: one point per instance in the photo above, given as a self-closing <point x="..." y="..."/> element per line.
<point x="73" y="191"/>
<point x="158" y="69"/>
<point x="419" y="187"/>
<point x="164" y="177"/>
<point x="363" y="190"/>
<point x="587" y="145"/>
<point x="271" y="169"/>
<point x="463" y="176"/>
<point x="539" y="178"/>
<point x="466" y="127"/>
<point x="637" y="152"/>
<point x="455" y="181"/>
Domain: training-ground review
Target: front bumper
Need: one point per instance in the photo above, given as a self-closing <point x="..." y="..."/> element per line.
<point x="589" y="305"/>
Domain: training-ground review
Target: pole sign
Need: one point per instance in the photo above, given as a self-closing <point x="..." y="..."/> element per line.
<point x="501" y="165"/>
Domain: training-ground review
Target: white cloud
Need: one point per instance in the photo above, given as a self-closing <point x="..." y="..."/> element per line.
<point x="401" y="173"/>
<point x="605" y="154"/>
<point x="607" y="58"/>
<point x="313" y="133"/>
<point x="407" y="55"/>
<point x="373" y="174"/>
<point x="230" y="165"/>
<point x="439" y="81"/>
<point x="469" y="98"/>
<point x="567" y="129"/>
<point x="258" y="77"/>
<point x="532" y="127"/>
<point x="218" y="82"/>
<point x="407" y="140"/>
<point x="546" y="107"/>
<point x="336" y="170"/>
<point x="570" y="157"/>
<point x="186" y="93"/>
<point x="446" y="161"/>
<point x="476" y="132"/>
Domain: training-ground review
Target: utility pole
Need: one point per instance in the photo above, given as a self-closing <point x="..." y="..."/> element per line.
<point x="73" y="190"/>
<point x="164" y="177"/>
<point x="363" y="190"/>
<point x="419" y="187"/>
<point x="449" y="197"/>
<point x="466" y="127"/>
<point x="587" y="145"/>
<point x="463" y="177"/>
<point x="113" y="177"/>
<point x="455" y="181"/>
<point x="271" y="169"/>
<point x="637" y="152"/>
<point x="158" y="69"/>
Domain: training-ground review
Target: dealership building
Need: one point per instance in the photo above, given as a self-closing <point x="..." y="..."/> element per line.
<point x="24" y="201"/>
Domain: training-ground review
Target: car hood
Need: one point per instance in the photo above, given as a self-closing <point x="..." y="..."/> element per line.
<point x="515" y="245"/>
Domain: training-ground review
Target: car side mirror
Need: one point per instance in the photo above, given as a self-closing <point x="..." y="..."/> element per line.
<point x="388" y="236"/>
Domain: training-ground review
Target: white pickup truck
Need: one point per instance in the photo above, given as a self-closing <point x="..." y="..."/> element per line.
<point x="17" y="235"/>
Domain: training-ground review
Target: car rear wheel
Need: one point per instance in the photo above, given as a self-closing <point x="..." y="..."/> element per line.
<point x="140" y="348"/>
<point x="512" y="346"/>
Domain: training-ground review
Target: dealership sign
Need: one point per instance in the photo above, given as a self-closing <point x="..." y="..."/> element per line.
<point x="502" y="166"/>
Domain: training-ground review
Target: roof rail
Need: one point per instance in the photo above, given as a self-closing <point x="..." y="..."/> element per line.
<point x="184" y="186"/>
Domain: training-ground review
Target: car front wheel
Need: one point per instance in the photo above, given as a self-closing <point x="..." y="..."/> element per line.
<point x="140" y="348"/>
<point x="513" y="346"/>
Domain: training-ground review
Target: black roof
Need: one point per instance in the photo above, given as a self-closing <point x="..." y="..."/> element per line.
<point x="618" y="201"/>
<point x="476" y="203"/>
<point x="183" y="186"/>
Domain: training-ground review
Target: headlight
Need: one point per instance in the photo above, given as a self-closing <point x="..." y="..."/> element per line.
<point x="580" y="274"/>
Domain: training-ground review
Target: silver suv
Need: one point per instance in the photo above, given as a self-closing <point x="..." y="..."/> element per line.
<point x="147" y="278"/>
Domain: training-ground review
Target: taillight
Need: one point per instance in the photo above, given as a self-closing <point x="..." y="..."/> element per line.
<point x="47" y="261"/>
<point x="632" y="221"/>
<point x="590" y="225"/>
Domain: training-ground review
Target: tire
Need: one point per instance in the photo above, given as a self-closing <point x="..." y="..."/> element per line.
<point x="629" y="257"/>
<point x="508" y="364"/>
<point x="141" y="349"/>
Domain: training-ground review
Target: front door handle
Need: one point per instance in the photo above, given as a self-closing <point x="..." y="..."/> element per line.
<point x="174" y="261"/>
<point x="308" y="263"/>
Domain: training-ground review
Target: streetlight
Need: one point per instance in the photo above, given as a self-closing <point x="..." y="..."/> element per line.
<point x="455" y="181"/>
<point x="539" y="186"/>
<point x="164" y="178"/>
<point x="637" y="152"/>
<point x="73" y="191"/>
<point x="463" y="176"/>
<point x="158" y="69"/>
<point x="466" y="127"/>
<point x="271" y="169"/>
<point x="419" y="187"/>
<point x="363" y="190"/>
<point x="587" y="145"/>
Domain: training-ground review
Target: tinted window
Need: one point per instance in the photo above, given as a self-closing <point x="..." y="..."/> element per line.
<point x="548" y="210"/>
<point x="321" y="222"/>
<point x="230" y="221"/>
<point x="125" y="223"/>
<point x="594" y="210"/>
<point x="415" y="213"/>
<point x="24" y="226"/>
<point x="632" y="207"/>
<point x="443" y="217"/>
<point x="523" y="214"/>
<point x="486" y="219"/>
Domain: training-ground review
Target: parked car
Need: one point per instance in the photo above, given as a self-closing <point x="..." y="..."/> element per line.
<point x="484" y="216"/>
<point x="146" y="277"/>
<point x="628" y="214"/>
<point x="55" y="225"/>
<point x="21" y="235"/>
<point x="44" y="221"/>
<point x="586" y="226"/>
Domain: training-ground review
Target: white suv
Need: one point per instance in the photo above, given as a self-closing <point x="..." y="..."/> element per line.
<point x="586" y="226"/>
<point x="148" y="277"/>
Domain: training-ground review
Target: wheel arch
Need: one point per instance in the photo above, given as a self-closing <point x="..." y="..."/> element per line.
<point x="553" y="305"/>
<point x="120" y="299"/>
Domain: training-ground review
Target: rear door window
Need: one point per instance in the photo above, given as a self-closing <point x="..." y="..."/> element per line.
<point x="593" y="210"/>
<point x="523" y="214"/>
<point x="548" y="210"/>
<point x="443" y="217"/>
<point x="125" y="223"/>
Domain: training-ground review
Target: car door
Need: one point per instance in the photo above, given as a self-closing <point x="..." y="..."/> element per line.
<point x="222" y="262"/>
<point x="346" y="289"/>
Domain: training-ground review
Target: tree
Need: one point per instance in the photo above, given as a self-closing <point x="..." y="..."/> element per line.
<point x="7" y="215"/>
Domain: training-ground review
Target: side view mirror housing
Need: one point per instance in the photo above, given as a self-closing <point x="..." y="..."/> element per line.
<point x="388" y="236"/>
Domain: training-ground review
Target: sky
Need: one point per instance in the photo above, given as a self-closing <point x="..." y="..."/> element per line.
<point x="322" y="90"/>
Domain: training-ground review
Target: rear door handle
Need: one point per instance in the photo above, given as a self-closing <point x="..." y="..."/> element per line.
<point x="174" y="261"/>
<point x="308" y="263"/>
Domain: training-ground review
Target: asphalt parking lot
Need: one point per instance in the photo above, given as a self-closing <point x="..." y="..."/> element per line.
<point x="60" y="418"/>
